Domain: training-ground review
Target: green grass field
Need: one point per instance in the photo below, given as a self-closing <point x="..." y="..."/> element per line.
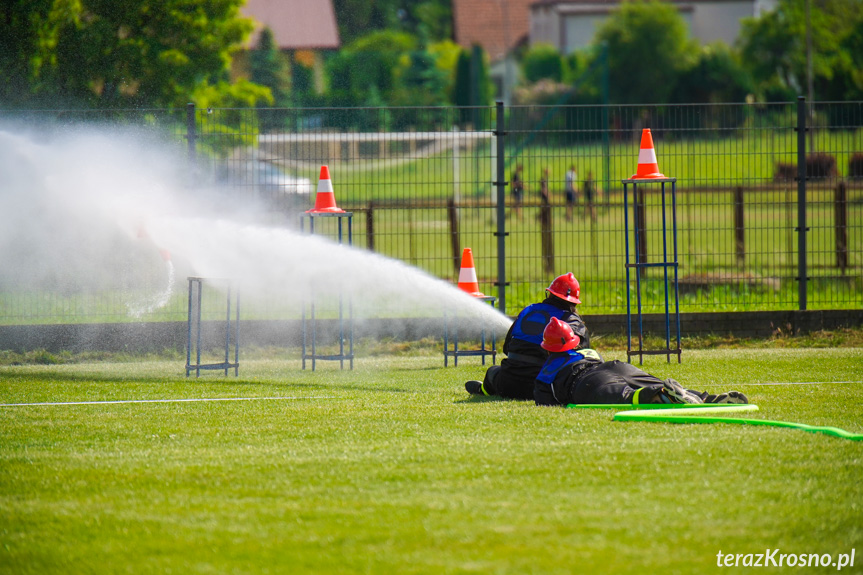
<point x="393" y="468"/>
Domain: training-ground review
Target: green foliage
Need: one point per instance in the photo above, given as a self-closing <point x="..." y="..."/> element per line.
<point x="110" y="54"/>
<point x="461" y="91"/>
<point x="648" y="47"/>
<point x="421" y="82"/>
<point x="240" y="94"/>
<point x="391" y="69"/>
<point x="542" y="62"/>
<point x="433" y="18"/>
<point x="652" y="59"/>
<point x="373" y="60"/>
<point x="430" y="19"/>
<point x="29" y="32"/>
<point x="773" y="47"/>
<point x="446" y="54"/>
<point x="717" y="77"/>
<point x="473" y="86"/>
<point x="357" y="18"/>
<point x="269" y="68"/>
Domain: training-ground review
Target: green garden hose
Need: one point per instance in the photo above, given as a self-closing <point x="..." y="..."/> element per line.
<point x="687" y="413"/>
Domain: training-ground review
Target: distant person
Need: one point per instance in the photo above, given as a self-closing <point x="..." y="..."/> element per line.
<point x="578" y="375"/>
<point x="517" y="190"/>
<point x="543" y="187"/>
<point x="589" y="191"/>
<point x="569" y="191"/>
<point x="544" y="215"/>
<point x="514" y="377"/>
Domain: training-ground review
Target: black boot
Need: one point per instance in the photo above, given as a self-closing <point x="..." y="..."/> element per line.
<point x="473" y="387"/>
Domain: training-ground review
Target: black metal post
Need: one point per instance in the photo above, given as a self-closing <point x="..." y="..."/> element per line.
<point x="191" y="132"/>
<point x="801" y="203"/>
<point x="501" y="208"/>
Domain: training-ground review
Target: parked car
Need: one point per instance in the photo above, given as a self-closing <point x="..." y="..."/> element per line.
<point x="266" y="180"/>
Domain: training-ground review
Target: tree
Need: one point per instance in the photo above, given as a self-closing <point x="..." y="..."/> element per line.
<point x="373" y="60"/>
<point x="269" y="68"/>
<point x="848" y="83"/>
<point x="473" y="86"/>
<point x="446" y="54"/>
<point x="774" y="49"/>
<point x="29" y="30"/>
<point x="648" y="47"/>
<point x="716" y="77"/>
<point x="358" y="18"/>
<point x="421" y="82"/>
<point x="110" y="54"/>
<point x="435" y="17"/>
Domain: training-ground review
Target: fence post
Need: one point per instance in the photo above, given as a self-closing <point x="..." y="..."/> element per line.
<point x="641" y="225"/>
<point x="801" y="203"/>
<point x="739" y="229"/>
<point x="370" y="226"/>
<point x="452" y="216"/>
<point x="501" y="184"/>
<point x="191" y="133"/>
<point x="840" y="216"/>
<point x="546" y="236"/>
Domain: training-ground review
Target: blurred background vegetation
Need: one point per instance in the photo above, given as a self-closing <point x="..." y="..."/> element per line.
<point x="100" y="54"/>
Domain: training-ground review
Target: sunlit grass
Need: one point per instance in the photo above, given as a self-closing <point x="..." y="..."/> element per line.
<point x="393" y="468"/>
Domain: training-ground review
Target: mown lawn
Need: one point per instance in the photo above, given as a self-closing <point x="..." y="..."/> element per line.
<point x="393" y="468"/>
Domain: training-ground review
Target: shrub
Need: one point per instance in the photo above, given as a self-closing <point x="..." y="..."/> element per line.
<point x="542" y="62"/>
<point x="855" y="166"/>
<point x="818" y="166"/>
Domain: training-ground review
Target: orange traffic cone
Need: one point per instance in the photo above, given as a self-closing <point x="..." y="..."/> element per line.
<point x="325" y="200"/>
<point x="467" y="275"/>
<point x="647" y="166"/>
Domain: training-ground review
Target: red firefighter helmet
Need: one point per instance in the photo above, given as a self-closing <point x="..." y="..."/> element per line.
<point x="558" y="336"/>
<point x="565" y="287"/>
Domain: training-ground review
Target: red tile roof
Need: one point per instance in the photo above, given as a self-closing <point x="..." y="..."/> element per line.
<point x="496" y="25"/>
<point x="296" y="24"/>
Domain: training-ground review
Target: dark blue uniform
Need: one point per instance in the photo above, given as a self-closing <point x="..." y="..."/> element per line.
<point x="515" y="375"/>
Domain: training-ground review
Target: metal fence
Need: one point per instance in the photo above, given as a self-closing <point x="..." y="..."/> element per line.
<point x="769" y="196"/>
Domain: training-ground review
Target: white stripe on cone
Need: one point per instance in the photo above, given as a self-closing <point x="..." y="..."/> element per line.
<point x="325" y="186"/>
<point x="467" y="275"/>
<point x="647" y="156"/>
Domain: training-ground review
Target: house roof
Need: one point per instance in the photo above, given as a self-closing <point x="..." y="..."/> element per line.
<point x="296" y="24"/>
<point x="496" y="25"/>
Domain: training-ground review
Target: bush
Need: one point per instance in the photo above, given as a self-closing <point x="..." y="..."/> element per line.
<point x="855" y="166"/>
<point x="716" y="77"/>
<point x="818" y="166"/>
<point x="821" y="165"/>
<point x="542" y="62"/>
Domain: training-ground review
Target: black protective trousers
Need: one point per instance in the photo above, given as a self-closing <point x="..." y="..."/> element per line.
<point x="512" y="379"/>
<point x="613" y="382"/>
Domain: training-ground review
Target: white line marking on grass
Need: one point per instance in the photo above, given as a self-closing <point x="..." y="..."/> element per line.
<point x="801" y="382"/>
<point x="195" y="399"/>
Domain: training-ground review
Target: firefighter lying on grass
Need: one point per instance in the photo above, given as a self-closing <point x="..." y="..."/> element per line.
<point x="572" y="375"/>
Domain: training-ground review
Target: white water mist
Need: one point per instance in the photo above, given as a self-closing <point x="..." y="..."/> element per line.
<point x="102" y="210"/>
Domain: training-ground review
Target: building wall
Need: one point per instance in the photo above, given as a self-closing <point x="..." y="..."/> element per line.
<point x="714" y="21"/>
<point x="570" y="28"/>
<point x="579" y="31"/>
